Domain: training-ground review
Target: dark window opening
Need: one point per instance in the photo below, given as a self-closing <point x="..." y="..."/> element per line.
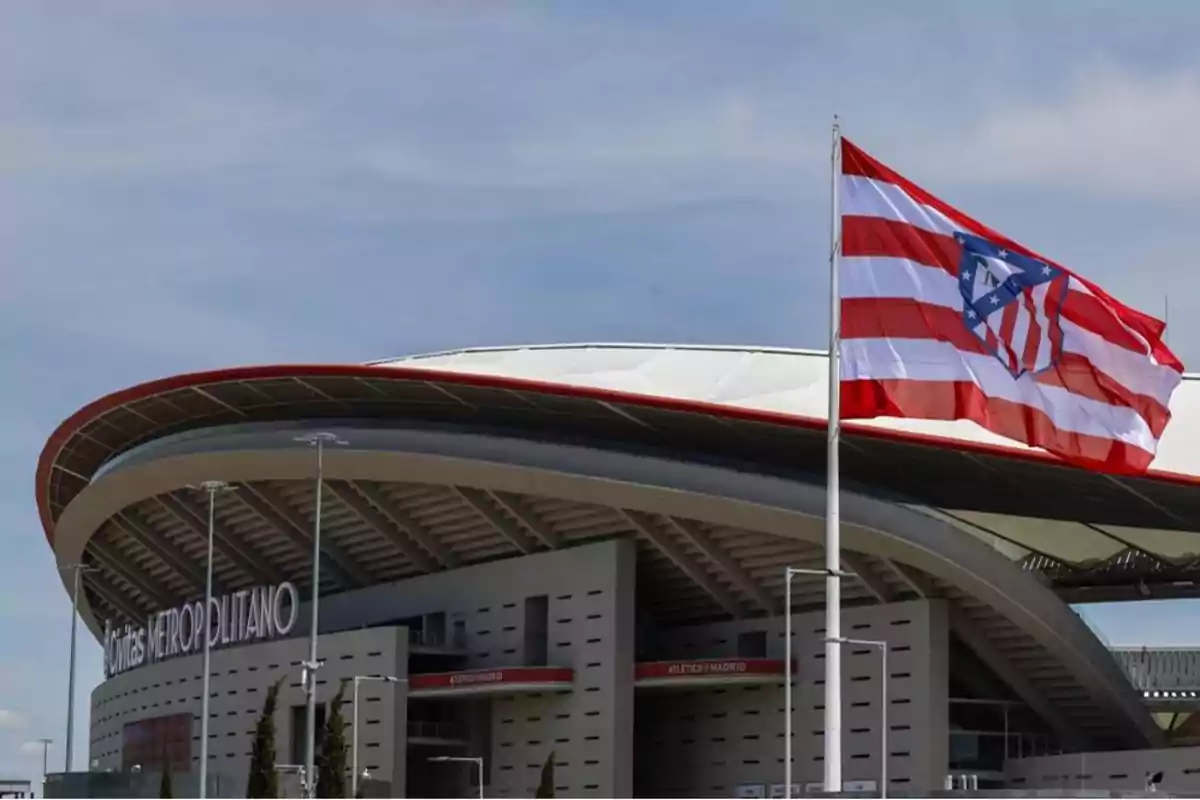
<point x="752" y="644"/>
<point x="537" y="624"/>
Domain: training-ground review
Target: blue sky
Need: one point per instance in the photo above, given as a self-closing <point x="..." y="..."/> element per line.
<point x="186" y="186"/>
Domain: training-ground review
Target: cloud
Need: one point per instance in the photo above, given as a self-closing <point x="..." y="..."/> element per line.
<point x="33" y="748"/>
<point x="11" y="720"/>
<point x="693" y="149"/>
<point x="1108" y="128"/>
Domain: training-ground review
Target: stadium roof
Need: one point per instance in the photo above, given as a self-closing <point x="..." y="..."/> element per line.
<point x="1098" y="537"/>
<point x="474" y="455"/>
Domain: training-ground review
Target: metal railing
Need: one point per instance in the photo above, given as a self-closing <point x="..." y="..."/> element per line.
<point x="1162" y="673"/>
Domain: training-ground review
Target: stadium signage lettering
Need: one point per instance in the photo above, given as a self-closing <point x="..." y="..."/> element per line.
<point x="706" y="667"/>
<point x="247" y="615"/>
<point x="476" y="677"/>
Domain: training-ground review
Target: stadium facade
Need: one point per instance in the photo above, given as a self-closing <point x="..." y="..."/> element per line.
<point x="578" y="552"/>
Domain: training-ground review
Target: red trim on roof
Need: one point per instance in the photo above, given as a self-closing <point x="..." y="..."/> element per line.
<point x="98" y="407"/>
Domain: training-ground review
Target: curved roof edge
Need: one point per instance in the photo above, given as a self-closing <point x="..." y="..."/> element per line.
<point x="716" y="348"/>
<point x="801" y="382"/>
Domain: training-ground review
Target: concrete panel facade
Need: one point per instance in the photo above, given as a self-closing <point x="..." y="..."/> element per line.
<point x="590" y="596"/>
<point x="589" y="614"/>
<point x="1124" y="770"/>
<point x="238" y="682"/>
<point x="707" y="742"/>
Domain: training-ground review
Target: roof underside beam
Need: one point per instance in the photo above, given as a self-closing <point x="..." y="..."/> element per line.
<point x="161" y="547"/>
<point x="517" y="507"/>
<point x="272" y="510"/>
<point x="646" y="525"/>
<point x="484" y="506"/>
<point x="405" y="522"/>
<point x="113" y="597"/>
<point x="399" y="536"/>
<point x="700" y="539"/>
<point x="254" y="566"/>
<point x="1004" y="669"/>
<point x="116" y="563"/>
<point x="861" y="567"/>
<point x="914" y="579"/>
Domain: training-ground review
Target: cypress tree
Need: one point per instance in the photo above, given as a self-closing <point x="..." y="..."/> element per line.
<point x="331" y="773"/>
<point x="546" y="785"/>
<point x="164" y="785"/>
<point x="263" y="781"/>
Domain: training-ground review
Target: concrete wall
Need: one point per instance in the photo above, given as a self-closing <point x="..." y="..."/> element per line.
<point x="238" y="682"/>
<point x="590" y="595"/>
<point x="1120" y="770"/>
<point x="696" y="742"/>
<point x="706" y="742"/>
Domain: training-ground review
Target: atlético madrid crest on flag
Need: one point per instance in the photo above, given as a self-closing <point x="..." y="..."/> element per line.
<point x="1012" y="303"/>
<point x="944" y="318"/>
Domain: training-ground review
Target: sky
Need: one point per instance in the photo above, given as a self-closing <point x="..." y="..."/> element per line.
<point x="194" y="185"/>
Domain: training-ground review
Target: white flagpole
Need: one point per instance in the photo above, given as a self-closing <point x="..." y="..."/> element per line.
<point x="833" y="561"/>
<point x="1166" y="320"/>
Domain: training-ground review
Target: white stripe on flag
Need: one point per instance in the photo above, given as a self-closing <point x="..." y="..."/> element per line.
<point x="928" y="360"/>
<point x="1046" y="347"/>
<point x="900" y="278"/>
<point x="867" y="197"/>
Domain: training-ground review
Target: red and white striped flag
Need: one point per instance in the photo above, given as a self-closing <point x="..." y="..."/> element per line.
<point x="944" y="318"/>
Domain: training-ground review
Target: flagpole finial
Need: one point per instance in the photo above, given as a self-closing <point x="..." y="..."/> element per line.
<point x="837" y="123"/>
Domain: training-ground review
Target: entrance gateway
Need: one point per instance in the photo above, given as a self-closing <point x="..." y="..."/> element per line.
<point x="247" y="615"/>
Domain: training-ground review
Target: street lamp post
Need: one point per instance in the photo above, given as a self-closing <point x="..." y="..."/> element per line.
<point x="212" y="488"/>
<point x="77" y="570"/>
<point x="357" y="679"/>
<point x="789" y="666"/>
<point x="45" y="743"/>
<point x="882" y="647"/>
<point x="319" y="440"/>
<point x="476" y="760"/>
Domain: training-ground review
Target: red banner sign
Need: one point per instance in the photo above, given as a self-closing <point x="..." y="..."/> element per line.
<point x="709" y="668"/>
<point x="489" y="677"/>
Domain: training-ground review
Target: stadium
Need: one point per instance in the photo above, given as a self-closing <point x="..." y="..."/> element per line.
<point x="578" y="553"/>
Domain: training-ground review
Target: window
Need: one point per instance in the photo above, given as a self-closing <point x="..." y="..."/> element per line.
<point x="752" y="644"/>
<point x="435" y="629"/>
<point x="537" y="619"/>
<point x="458" y="638"/>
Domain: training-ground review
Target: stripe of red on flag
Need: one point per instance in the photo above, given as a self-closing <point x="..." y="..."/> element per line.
<point x="883" y="238"/>
<point x="902" y="318"/>
<point x="1090" y="313"/>
<point x="951" y="400"/>
<point x="1008" y="324"/>
<point x="1136" y="324"/>
<point x="876" y="236"/>
<point x="1078" y="375"/>
<point x="855" y="161"/>
<point x="1149" y="327"/>
<point x="1033" y="339"/>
